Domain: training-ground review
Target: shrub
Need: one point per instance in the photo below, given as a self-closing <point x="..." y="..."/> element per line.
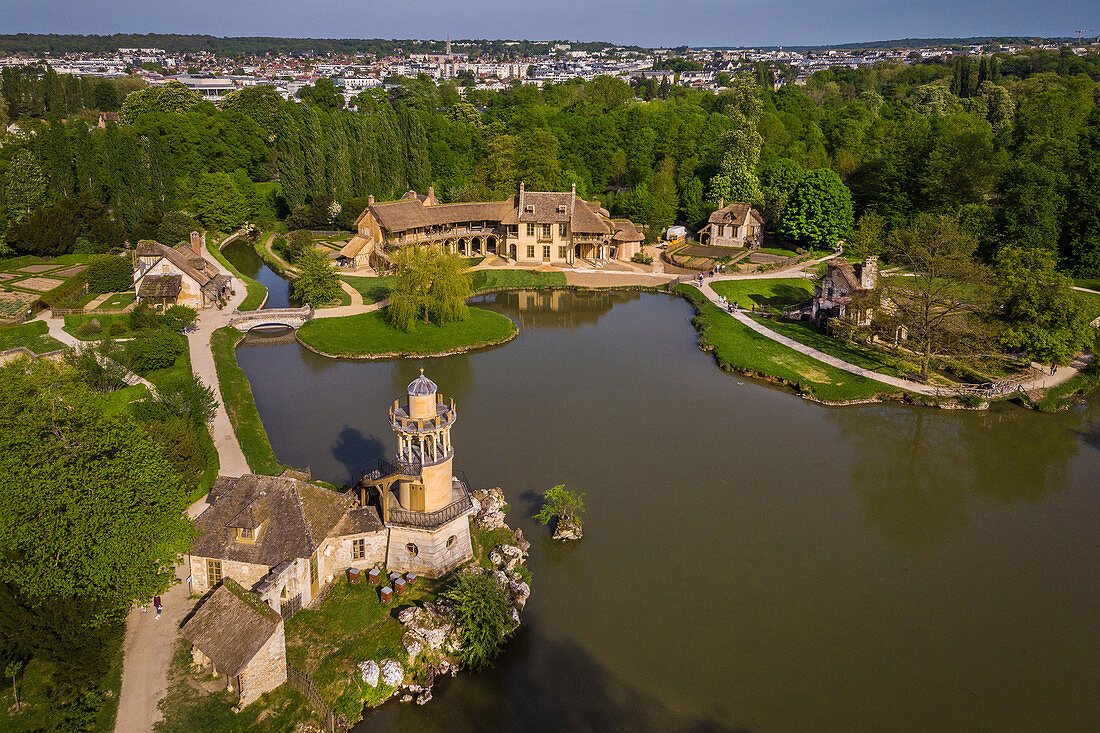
<point x="561" y="503"/>
<point x="151" y="351"/>
<point x="89" y="328"/>
<point x="297" y="244"/>
<point x="116" y="329"/>
<point x="484" y="616"/>
<point x="108" y="274"/>
<point x="642" y="258"/>
<point x="178" y="317"/>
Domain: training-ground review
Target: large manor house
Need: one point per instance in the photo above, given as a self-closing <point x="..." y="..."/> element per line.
<point x="533" y="228"/>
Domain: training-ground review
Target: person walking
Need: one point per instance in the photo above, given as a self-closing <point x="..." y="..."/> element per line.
<point x="157" y="605"/>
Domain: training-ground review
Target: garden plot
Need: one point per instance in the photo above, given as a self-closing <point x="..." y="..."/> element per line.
<point x="70" y="272"/>
<point x="11" y="303"/>
<point x="38" y="284"/>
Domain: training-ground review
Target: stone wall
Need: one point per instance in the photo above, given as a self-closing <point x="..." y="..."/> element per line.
<point x="437" y="551"/>
<point x="246" y="574"/>
<point x="266" y="670"/>
<point x="336" y="554"/>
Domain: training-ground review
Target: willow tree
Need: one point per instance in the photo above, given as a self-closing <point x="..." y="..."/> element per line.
<point x="431" y="285"/>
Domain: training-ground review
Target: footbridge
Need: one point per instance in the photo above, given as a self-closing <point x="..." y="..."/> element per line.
<point x="288" y="317"/>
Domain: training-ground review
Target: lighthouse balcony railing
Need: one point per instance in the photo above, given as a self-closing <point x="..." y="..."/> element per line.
<point x="461" y="503"/>
<point x="444" y="416"/>
<point x="382" y="469"/>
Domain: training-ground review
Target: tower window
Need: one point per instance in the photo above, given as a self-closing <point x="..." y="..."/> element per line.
<point x="358" y="549"/>
<point x="412" y="549"/>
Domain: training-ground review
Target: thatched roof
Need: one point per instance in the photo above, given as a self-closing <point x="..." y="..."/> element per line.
<point x="626" y="231"/>
<point x="735" y="213"/>
<point x="543" y="207"/>
<point x="411" y="213"/>
<point x="354" y="246"/>
<point x="293" y="517"/>
<point x="230" y="627"/>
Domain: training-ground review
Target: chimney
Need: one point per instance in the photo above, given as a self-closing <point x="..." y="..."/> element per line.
<point x="195" y="243"/>
<point x="722" y="203"/>
<point x="572" y="200"/>
<point x="431" y="196"/>
<point x="521" y="197"/>
<point x="370" y="200"/>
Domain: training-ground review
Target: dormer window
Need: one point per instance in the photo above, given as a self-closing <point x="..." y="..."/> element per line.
<point x="247" y="534"/>
<point x="561" y="208"/>
<point x="530" y="208"/>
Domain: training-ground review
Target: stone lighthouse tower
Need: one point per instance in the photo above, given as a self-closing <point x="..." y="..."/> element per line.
<point x="424" y="505"/>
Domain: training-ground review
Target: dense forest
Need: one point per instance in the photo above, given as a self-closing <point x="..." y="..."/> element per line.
<point x="1009" y="146"/>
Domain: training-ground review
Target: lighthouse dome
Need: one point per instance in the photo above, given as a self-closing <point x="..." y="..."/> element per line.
<point x="422" y="386"/>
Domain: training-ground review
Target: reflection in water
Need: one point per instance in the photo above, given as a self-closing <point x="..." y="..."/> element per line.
<point x="559" y="687"/>
<point x="749" y="560"/>
<point x="555" y="308"/>
<point x="918" y="470"/>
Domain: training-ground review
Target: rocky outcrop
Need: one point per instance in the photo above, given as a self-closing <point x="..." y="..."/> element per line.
<point x="567" y="529"/>
<point x="507" y="557"/>
<point x="392" y="673"/>
<point x="370" y="671"/>
<point x="490" y="508"/>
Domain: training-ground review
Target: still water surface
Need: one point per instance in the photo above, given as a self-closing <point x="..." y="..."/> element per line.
<point x="245" y="259"/>
<point x="751" y="561"/>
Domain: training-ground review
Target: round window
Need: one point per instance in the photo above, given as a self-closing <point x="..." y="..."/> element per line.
<point x="412" y="548"/>
<point x="451" y="540"/>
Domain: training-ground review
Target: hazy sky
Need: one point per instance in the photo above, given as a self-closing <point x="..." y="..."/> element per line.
<point x="643" y="22"/>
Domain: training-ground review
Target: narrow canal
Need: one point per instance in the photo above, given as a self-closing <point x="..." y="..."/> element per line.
<point x="245" y="259"/>
<point x="751" y="561"/>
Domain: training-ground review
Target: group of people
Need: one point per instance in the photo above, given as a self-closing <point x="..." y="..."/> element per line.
<point x="156" y="605"/>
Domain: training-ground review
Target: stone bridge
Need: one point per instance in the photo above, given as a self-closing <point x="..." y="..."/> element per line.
<point x="289" y="317"/>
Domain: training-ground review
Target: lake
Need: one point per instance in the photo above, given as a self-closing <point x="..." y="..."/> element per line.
<point x="751" y="561"/>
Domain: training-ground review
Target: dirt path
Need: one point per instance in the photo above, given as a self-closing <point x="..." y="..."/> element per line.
<point x="150" y="642"/>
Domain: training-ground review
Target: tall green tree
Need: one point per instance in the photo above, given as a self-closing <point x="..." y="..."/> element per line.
<point x="938" y="303"/>
<point x="92" y="513"/>
<point x="819" y="210"/>
<point x="1046" y="319"/>
<point x="318" y="283"/>
<point x="430" y="285"/>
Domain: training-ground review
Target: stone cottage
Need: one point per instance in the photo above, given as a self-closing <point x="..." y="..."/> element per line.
<point x="179" y="275"/>
<point x="843" y="292"/>
<point x="283" y="537"/>
<point x="236" y="634"/>
<point x="733" y="225"/>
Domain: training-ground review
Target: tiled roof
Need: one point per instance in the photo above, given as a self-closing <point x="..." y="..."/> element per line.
<point x="160" y="286"/>
<point x="297" y="516"/>
<point x="230" y="627"/>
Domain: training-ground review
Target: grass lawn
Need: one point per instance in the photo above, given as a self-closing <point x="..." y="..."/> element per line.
<point x="118" y="402"/>
<point x="774" y="294"/>
<point x="240" y="405"/>
<point x="368" y="334"/>
<point x="350" y="626"/>
<point x="483" y="280"/>
<point x="190" y="706"/>
<point x="738" y="347"/>
<point x="73" y="323"/>
<point x="1092" y="283"/>
<point x="31" y="335"/>
<point x="1091" y="302"/>
<point x="117" y="301"/>
<point x="256" y="291"/>
<point x="862" y="356"/>
<point x="373" y="289"/>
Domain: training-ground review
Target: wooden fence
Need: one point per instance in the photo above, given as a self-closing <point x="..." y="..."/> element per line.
<point x="62" y="312"/>
<point x="301" y="682"/>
